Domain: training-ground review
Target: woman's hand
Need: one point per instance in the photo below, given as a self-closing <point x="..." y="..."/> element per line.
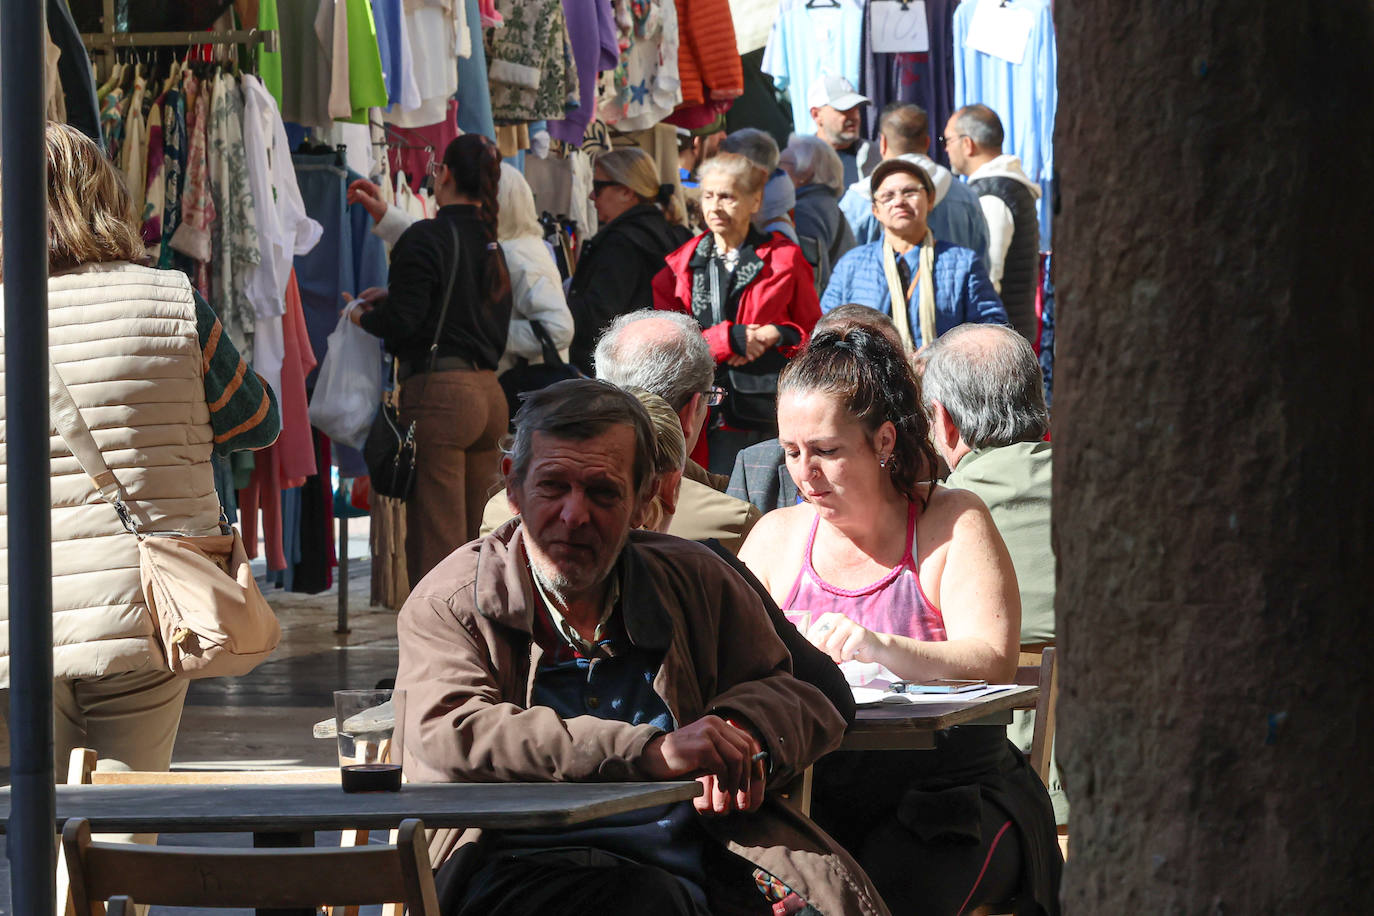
<point x="842" y="639"/>
<point x="369" y="195"/>
<point x="759" y="338"/>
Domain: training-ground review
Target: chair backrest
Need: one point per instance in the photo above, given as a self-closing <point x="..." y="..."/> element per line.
<point x="81" y="770"/>
<point x="259" y="878"/>
<point x="120" y="906"/>
<point x="1038" y="669"/>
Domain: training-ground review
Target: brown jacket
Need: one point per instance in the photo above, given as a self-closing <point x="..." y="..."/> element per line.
<point x="467" y="663"/>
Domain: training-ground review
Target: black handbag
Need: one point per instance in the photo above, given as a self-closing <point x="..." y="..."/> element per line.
<point x="389" y="451"/>
<point x="523" y="378"/>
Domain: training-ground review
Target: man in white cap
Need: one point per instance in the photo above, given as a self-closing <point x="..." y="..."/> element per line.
<point x="835" y="107"/>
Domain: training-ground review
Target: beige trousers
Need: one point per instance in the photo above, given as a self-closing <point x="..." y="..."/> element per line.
<point x="460" y="418"/>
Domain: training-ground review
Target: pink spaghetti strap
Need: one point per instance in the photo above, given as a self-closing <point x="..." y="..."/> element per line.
<point x="806" y="568"/>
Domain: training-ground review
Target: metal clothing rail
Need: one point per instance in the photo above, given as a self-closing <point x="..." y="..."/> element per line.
<point x="107" y="40"/>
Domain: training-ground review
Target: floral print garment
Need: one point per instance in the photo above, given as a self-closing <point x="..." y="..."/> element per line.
<point x="234" y="237"/>
<point x="155" y="196"/>
<point x="192" y="237"/>
<point x="174" y="161"/>
<point x="529" y="62"/>
<point x="644" y="89"/>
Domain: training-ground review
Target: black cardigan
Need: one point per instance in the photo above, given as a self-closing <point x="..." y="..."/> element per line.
<point x="474" y="329"/>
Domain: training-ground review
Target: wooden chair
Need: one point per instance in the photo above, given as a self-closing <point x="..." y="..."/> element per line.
<point x="120" y="906"/>
<point x="268" y="878"/>
<point x="1038" y="668"/>
<point x="81" y="770"/>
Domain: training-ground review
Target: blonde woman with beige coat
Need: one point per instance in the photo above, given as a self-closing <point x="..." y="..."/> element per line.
<point x="162" y="388"/>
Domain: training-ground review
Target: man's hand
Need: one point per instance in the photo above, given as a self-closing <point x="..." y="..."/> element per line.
<point x="719" y="754"/>
<point x="842" y="639"/>
<point x="369" y="195"/>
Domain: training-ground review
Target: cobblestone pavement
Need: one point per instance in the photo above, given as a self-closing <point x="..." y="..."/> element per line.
<point x="264" y="719"/>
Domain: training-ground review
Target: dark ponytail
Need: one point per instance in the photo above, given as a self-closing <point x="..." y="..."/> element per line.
<point x="475" y="164"/>
<point x="873" y="380"/>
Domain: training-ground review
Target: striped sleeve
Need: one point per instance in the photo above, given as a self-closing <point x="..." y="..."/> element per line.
<point x="243" y="409"/>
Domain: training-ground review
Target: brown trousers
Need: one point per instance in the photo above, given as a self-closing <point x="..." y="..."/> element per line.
<point x="460" y="417"/>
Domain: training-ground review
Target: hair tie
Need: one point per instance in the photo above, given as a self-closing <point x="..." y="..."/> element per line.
<point x="493" y="246"/>
<point x="665" y="193"/>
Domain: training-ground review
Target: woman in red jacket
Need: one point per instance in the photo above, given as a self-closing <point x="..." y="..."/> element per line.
<point x="753" y="295"/>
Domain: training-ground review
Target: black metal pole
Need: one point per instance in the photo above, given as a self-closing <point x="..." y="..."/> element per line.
<point x="30" y="830"/>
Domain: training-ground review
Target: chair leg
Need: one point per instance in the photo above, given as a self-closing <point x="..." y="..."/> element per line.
<point x="348" y="839"/>
<point x="65" y="906"/>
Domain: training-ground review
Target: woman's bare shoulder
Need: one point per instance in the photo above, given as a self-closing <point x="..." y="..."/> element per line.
<point x="770" y="540"/>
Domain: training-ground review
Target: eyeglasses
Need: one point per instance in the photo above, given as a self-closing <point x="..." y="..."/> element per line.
<point x="951" y="138"/>
<point x="598" y="186"/>
<point x="908" y="194"/>
<point x="714" y="396"/>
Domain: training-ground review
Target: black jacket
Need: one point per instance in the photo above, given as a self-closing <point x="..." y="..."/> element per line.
<point x="1021" y="270"/>
<point x="474" y="329"/>
<point x="615" y="273"/>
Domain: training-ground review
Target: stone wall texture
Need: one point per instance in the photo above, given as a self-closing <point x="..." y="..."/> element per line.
<point x="1214" y="488"/>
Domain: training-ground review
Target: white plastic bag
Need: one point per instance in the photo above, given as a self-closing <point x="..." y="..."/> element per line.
<point x="348" y="390"/>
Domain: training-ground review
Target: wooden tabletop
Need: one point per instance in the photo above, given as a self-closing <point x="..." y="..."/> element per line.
<point x="286" y="809"/>
<point x="901" y="726"/>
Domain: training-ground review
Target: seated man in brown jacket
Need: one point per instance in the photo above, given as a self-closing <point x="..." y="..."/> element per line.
<point x="565" y="646"/>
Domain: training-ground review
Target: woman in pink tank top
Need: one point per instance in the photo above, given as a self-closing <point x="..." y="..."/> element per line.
<point x="914" y="576"/>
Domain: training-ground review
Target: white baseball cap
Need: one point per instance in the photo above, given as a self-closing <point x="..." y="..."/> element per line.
<point x="835" y="91"/>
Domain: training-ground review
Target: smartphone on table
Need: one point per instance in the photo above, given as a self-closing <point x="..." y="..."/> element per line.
<point x="938" y="685"/>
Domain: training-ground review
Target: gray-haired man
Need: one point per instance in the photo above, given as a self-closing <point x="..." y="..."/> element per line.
<point x="986" y="397"/>
<point x="665" y="354"/>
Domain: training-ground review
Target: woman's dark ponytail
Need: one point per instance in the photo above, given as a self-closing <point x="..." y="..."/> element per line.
<point x="475" y="164"/>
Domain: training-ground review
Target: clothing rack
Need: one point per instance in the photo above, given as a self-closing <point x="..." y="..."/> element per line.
<point x="107" y="41"/>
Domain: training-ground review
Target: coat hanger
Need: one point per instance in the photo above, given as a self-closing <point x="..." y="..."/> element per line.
<point x="822" y="4"/>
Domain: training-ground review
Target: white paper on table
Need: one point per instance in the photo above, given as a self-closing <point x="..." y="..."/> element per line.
<point x="867" y="674"/>
<point x="999" y="30"/>
<point x="871" y="696"/>
<point x="898" y="27"/>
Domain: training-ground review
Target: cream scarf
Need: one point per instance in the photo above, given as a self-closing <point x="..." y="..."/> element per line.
<point x="925" y="281"/>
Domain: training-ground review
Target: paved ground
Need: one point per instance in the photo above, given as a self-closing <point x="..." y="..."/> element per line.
<point x="264" y="719"/>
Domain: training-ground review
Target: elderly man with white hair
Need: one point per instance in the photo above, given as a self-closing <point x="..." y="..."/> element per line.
<point x="665" y="354"/>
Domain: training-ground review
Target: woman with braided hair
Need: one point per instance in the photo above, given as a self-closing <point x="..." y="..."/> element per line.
<point x="451" y="393"/>
<point x="898" y="570"/>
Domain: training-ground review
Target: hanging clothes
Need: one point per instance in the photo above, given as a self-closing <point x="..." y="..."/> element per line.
<point x="805" y="43"/>
<point x="133" y="155"/>
<point x="297" y="449"/>
<point x="283" y="228"/>
<point x="708" y="62"/>
<point x="530" y="63"/>
<point x="436" y="34"/>
<point x="416" y="149"/>
<point x="925" y="79"/>
<point x="1025" y="95"/>
<point x="234" y="236"/>
<point x="645" y="88"/>
<point x="305" y="74"/>
<point x="112" y="122"/>
<point x="591" y="28"/>
<point x="174" y="152"/>
<point x="474" y="94"/>
<point x="348" y="257"/>
<point x="192" y="237"/>
<point x="155" y="191"/>
<point x="73" y="70"/>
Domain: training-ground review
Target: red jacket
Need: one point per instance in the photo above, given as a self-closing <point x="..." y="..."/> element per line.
<point x="783" y="293"/>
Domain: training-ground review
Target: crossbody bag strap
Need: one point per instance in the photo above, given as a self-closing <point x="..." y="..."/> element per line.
<point x="448" y="292"/>
<point x="66" y="418"/>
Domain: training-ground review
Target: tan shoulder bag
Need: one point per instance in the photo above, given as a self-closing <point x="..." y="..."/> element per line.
<point x="212" y="618"/>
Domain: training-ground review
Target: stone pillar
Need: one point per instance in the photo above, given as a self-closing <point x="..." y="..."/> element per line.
<point x="1214" y="479"/>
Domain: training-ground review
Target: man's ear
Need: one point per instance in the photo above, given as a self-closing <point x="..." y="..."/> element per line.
<point x="814" y="113"/>
<point x="882" y="145"/>
<point x="642" y="505"/>
<point x="669" y="490"/>
<point x="942" y="428"/>
<point x="512" y="499"/>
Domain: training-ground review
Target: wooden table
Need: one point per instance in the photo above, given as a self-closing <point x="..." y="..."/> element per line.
<point x="903" y="726"/>
<point x="912" y="726"/>
<point x="290" y="815"/>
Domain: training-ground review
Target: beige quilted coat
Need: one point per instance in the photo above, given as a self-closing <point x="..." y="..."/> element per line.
<point x="124" y="339"/>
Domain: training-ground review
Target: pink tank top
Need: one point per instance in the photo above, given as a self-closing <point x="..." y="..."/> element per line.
<point x="894" y="604"/>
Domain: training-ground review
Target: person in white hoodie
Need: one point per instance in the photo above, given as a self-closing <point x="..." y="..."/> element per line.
<point x="536" y="287"/>
<point x="973" y="138"/>
<point x="957" y="218"/>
